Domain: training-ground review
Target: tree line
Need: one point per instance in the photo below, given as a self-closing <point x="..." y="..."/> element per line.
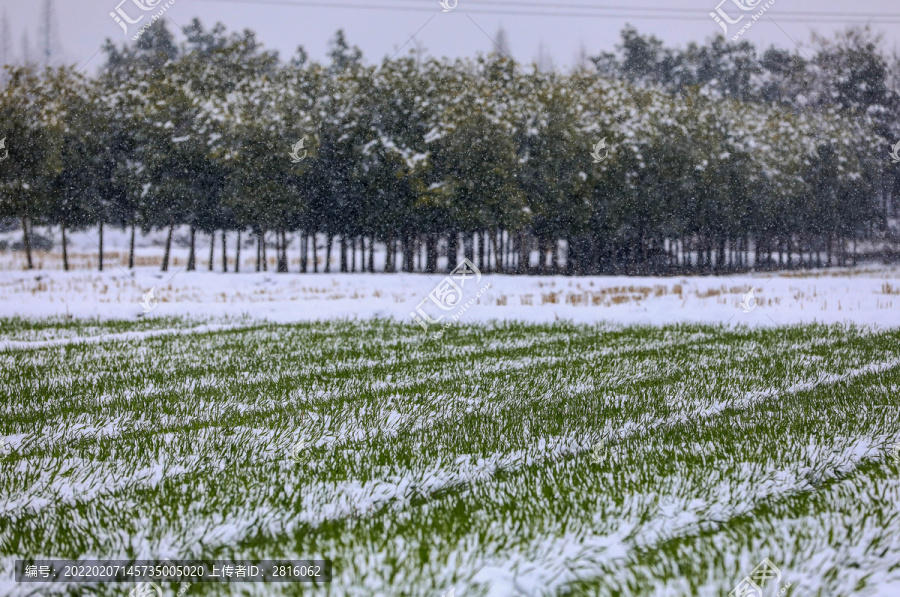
<point x="650" y="160"/>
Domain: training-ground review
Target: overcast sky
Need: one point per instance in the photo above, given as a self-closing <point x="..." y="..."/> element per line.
<point x="381" y="28"/>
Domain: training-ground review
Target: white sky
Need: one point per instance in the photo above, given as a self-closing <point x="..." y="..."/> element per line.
<point x="381" y="27"/>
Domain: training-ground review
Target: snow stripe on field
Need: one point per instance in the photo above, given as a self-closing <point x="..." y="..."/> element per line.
<point x="124" y="336"/>
<point x="751" y="398"/>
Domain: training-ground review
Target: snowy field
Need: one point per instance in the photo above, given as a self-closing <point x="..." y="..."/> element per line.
<point x="867" y="295"/>
<point x="504" y="459"/>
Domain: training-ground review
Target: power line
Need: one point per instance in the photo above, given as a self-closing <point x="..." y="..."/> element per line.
<point x="640" y="13"/>
<point x="695" y="11"/>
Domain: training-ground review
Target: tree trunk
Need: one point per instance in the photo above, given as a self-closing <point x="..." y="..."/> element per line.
<point x="515" y="240"/>
<point x="524" y="257"/>
<point x="168" y="250"/>
<point x="277" y="251"/>
<point x="480" y="251"/>
<point x="282" y="256"/>
<point x="353" y="254"/>
<point x="315" y="251"/>
<point x="408" y="253"/>
<point x="26" y="239"/>
<point x="431" y="252"/>
<point x="304" y="247"/>
<point x="212" y="250"/>
<point x="130" y="248"/>
<point x="328" y="253"/>
<point x="265" y="258"/>
<point x="101" y="246"/>
<point x="372" y="254"/>
<point x="554" y="256"/>
<point x="417" y="247"/>
<point x="452" y="250"/>
<point x="237" y="255"/>
<point x="720" y="257"/>
<point x="687" y="260"/>
<point x="343" y="248"/>
<point x="258" y="251"/>
<point x="542" y="254"/>
<point x="224" y="252"/>
<point x="406" y="256"/>
<point x="390" y="259"/>
<point x="570" y="258"/>
<point x="498" y="252"/>
<point x="192" y="255"/>
<point x="65" y="251"/>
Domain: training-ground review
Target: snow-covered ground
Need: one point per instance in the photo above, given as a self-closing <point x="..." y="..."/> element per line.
<point x="868" y="294"/>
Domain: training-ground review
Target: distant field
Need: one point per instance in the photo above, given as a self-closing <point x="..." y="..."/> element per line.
<point x="502" y="459"/>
